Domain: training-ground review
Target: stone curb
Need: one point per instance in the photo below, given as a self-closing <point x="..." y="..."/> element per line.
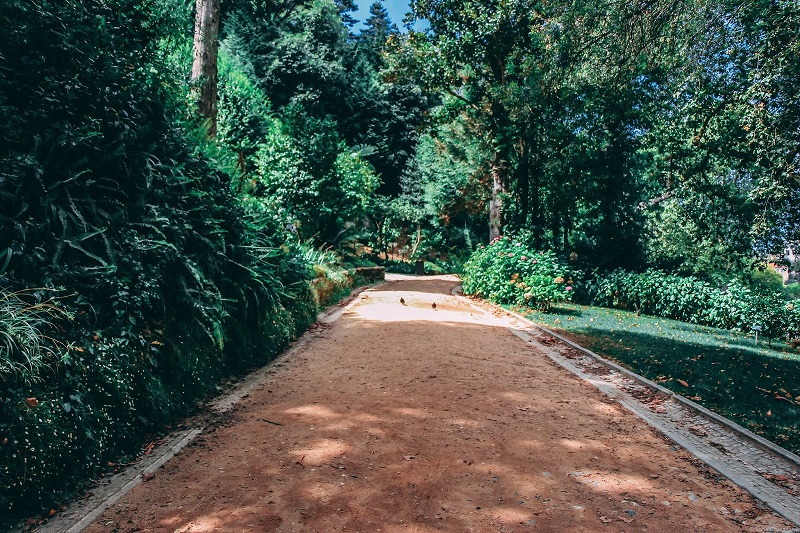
<point x="749" y="479"/>
<point x="84" y="514"/>
<point x="729" y="424"/>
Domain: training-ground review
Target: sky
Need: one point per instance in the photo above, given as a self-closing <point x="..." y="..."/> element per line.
<point x="397" y="11"/>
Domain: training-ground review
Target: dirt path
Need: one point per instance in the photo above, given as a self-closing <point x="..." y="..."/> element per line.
<point x="405" y="418"/>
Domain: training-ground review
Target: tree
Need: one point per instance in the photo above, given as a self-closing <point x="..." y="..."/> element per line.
<point x="474" y="53"/>
<point x="204" y="64"/>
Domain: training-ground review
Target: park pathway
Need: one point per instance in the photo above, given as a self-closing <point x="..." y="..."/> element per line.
<point x="401" y="417"/>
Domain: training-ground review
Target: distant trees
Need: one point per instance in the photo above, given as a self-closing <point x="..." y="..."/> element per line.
<point x="627" y="133"/>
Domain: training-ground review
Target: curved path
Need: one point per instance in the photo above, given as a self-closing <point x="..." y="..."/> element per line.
<point x="408" y="418"/>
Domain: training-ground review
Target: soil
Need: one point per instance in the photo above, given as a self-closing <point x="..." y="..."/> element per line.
<point x="408" y="418"/>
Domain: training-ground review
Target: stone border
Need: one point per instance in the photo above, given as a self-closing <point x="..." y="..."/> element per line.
<point x="81" y="515"/>
<point x="746" y="477"/>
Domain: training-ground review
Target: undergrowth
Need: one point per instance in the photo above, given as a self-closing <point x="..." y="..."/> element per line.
<point x="172" y="280"/>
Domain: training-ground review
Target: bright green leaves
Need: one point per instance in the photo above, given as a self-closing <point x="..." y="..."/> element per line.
<point x="509" y="272"/>
<point x="735" y="306"/>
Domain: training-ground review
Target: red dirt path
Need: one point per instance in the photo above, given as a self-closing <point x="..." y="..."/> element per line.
<point x="406" y="418"/>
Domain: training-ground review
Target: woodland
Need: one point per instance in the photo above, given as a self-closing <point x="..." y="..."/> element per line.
<point x="184" y="184"/>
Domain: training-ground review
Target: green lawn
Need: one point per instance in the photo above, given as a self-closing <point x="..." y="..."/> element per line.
<point x="724" y="371"/>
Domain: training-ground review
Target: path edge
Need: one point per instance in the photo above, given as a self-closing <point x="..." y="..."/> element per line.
<point x="730" y="424"/>
<point x="79" y="515"/>
<point x="768" y="447"/>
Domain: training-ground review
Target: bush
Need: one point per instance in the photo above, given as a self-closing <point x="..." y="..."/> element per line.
<point x="174" y="282"/>
<point x="27" y="327"/>
<point x="508" y="272"/>
<point x="689" y="299"/>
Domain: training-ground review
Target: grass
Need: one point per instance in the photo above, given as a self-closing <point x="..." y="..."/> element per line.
<point x="752" y="384"/>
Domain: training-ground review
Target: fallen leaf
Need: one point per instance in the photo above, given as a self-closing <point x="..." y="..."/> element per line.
<point x="409" y="457"/>
<point x="769" y="413"/>
<point x="32" y="402"/>
<point x="51" y="513"/>
<point x="147" y="477"/>
<point x="697" y="430"/>
<point x="683" y="383"/>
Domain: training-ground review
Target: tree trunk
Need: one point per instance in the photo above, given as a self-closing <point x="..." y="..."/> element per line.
<point x="496" y="202"/>
<point x="204" y="65"/>
<point x="523" y="185"/>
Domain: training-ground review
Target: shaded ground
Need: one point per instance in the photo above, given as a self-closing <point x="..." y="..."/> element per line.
<point x="406" y="418"/>
<point x="725" y="371"/>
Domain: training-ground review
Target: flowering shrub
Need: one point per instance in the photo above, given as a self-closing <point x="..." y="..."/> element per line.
<point x="692" y="300"/>
<point x="509" y="272"/>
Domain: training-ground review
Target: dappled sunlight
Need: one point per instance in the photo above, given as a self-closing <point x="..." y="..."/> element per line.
<point x="241" y="518"/>
<point x="518" y="397"/>
<point x="321" y="452"/>
<point x="619" y="483"/>
<point x="530" y="444"/>
<point x="605" y="408"/>
<point x="432" y="422"/>
<point x="364" y="418"/>
<point x="412" y="411"/>
<point x="510" y="515"/>
<point x="465" y="422"/>
<point x="385" y="306"/>
<point x="324" y="492"/>
<point x="573" y="444"/>
<point x="206" y="523"/>
<point x="416" y="311"/>
<point x="409" y="528"/>
<point x="313" y="411"/>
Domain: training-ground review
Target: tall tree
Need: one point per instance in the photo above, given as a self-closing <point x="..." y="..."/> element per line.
<point x="476" y="53"/>
<point x="204" y="64"/>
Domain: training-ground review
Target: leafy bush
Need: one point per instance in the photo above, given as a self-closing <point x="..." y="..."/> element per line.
<point x="174" y="281"/>
<point x="509" y="272"/>
<point x="27" y="326"/>
<point x="689" y="299"/>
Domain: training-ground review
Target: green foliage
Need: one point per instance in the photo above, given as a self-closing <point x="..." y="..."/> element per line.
<point x="174" y="282"/>
<point x="725" y="371"/>
<point x="27" y="330"/>
<point x="735" y="306"/>
<point x="507" y="271"/>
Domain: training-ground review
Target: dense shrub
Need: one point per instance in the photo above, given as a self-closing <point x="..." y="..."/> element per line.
<point x="734" y="306"/>
<point x="170" y="281"/>
<point x="509" y="272"/>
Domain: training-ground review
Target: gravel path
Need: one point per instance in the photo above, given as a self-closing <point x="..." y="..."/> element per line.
<point x="407" y="418"/>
